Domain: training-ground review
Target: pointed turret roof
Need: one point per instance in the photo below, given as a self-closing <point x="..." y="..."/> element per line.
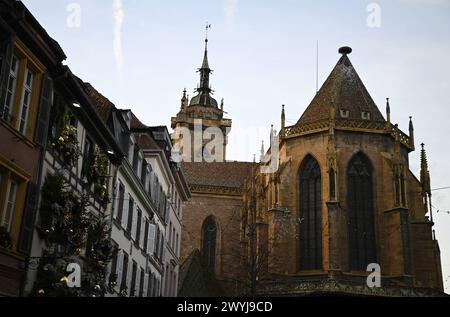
<point x="344" y="90"/>
<point x="204" y="91"/>
<point x="205" y="64"/>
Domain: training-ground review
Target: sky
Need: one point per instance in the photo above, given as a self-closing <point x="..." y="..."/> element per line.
<point x="142" y="54"/>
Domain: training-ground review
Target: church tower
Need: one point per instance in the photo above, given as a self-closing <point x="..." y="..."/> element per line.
<point x="200" y="127"/>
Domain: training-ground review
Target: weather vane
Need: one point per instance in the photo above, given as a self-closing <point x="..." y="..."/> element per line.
<point x="208" y="27"/>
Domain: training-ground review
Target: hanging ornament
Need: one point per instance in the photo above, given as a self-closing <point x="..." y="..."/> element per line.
<point x="64" y="280"/>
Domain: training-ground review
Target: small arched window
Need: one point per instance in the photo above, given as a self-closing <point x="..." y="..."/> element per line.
<point x="209" y="242"/>
<point x="310" y="185"/>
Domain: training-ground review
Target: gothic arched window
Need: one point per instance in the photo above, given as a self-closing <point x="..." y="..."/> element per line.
<point x="310" y="187"/>
<point x="209" y="242"/>
<point x="360" y="213"/>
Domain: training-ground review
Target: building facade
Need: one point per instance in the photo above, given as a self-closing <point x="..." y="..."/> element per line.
<point x="170" y="183"/>
<point x="90" y="199"/>
<point x="27" y="65"/>
<point x="340" y="200"/>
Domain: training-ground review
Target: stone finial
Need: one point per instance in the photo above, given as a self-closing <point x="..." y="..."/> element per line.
<point x="345" y="50"/>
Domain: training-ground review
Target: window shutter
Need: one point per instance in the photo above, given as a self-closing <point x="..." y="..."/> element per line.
<point x="45" y="105"/>
<point x="153" y="285"/>
<point x="125" y="213"/>
<point x="167" y="209"/>
<point x="116" y="197"/>
<point x="151" y="239"/>
<point x="119" y="267"/>
<point x="150" y="285"/>
<point x="138" y="282"/>
<point x="134" y="223"/>
<point x="141" y="238"/>
<point x="129" y="275"/>
<point x="28" y="218"/>
<point x="161" y="250"/>
<point x="144" y="294"/>
<point x="5" y="66"/>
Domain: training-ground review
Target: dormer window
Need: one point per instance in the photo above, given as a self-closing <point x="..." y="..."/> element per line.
<point x="365" y="115"/>
<point x="345" y="113"/>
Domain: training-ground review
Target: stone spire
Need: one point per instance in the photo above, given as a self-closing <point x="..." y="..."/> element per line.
<point x="283" y="118"/>
<point x="184" y="100"/>
<point x="424" y="173"/>
<point x="411" y="132"/>
<point x="388" y="112"/>
<point x="204" y="91"/>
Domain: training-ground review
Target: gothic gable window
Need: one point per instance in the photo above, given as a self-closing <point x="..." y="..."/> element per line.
<point x="360" y="213"/>
<point x="310" y="187"/>
<point x="209" y="242"/>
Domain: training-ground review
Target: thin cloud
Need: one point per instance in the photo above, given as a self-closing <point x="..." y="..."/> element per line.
<point x="230" y="7"/>
<point x="118" y="21"/>
<point x="427" y="2"/>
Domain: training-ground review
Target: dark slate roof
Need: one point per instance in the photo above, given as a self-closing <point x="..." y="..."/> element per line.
<point x="136" y="123"/>
<point x="146" y="142"/>
<point x="102" y="104"/>
<point x="345" y="90"/>
<point x="225" y="174"/>
<point x="204" y="99"/>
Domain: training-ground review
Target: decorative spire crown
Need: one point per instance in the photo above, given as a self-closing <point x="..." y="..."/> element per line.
<point x="204" y="90"/>
<point x="424" y="172"/>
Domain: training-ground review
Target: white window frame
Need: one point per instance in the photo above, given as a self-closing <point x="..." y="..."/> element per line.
<point x="366" y="115"/>
<point x="344" y="113"/>
<point x="12" y="81"/>
<point x="27" y="88"/>
<point x="10" y="204"/>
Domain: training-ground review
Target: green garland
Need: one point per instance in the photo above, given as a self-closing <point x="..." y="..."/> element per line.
<point x="98" y="175"/>
<point x="73" y="235"/>
<point x="66" y="144"/>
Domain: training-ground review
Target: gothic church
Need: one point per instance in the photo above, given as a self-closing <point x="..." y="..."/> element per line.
<point x="341" y="198"/>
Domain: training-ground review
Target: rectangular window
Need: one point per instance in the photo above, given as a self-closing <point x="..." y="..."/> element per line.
<point x="26" y="100"/>
<point x="136" y="160"/>
<point x="141" y="284"/>
<point x="173" y="238"/>
<point x="344" y="113"/>
<point x="11" y="89"/>
<point x="121" y="198"/>
<point x="138" y="227"/>
<point x="123" y="283"/>
<point x="10" y="205"/>
<point x="176" y="244"/>
<point x="150" y="285"/>
<point x="133" y="280"/>
<point x="365" y="115"/>
<point x="88" y="155"/>
<point x="130" y="215"/>
<point x="146" y="236"/>
<point x="156" y="249"/>
<point x="144" y="172"/>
